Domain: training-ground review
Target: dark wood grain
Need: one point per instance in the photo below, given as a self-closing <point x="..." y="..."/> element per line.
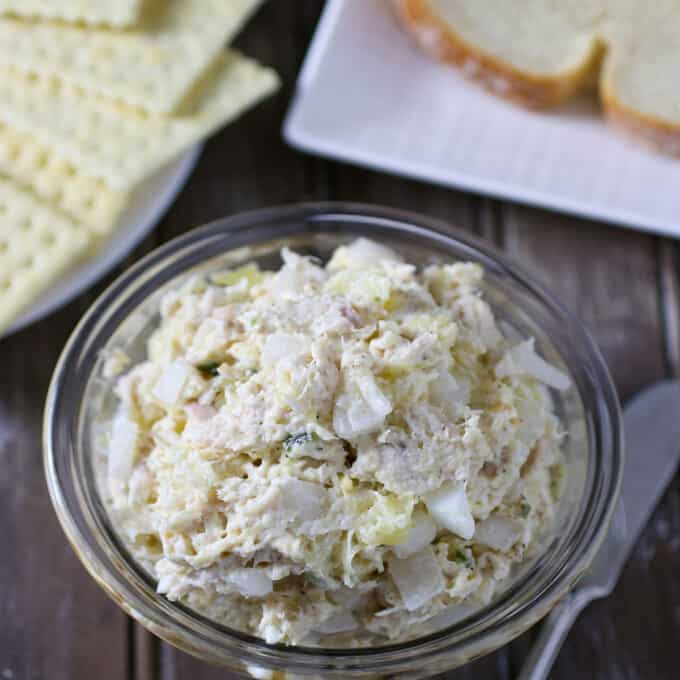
<point x="669" y="256"/>
<point x="55" y="621"/>
<point x="611" y="279"/>
<point x="608" y="277"/>
<point x="57" y="624"/>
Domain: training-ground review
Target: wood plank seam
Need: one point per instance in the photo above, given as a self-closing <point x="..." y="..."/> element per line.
<point x="669" y="292"/>
<point x="491" y="217"/>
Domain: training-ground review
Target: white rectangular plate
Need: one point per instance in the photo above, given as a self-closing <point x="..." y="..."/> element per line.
<point x="367" y="95"/>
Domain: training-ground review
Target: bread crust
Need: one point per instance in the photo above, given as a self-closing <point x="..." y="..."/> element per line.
<point x="528" y="89"/>
<point x="656" y="133"/>
<point x="532" y="90"/>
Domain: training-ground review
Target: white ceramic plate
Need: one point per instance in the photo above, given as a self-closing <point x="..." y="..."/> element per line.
<point x="367" y="95"/>
<point x="154" y="199"/>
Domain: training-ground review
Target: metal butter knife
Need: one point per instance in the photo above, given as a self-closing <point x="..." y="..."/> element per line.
<point x="652" y="439"/>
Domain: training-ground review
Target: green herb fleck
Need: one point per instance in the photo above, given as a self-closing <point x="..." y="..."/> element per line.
<point x="556" y="481"/>
<point x="208" y="368"/>
<point x="524" y="509"/>
<point x="461" y="557"/>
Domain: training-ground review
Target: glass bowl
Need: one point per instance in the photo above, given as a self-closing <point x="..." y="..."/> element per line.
<point x="80" y="400"/>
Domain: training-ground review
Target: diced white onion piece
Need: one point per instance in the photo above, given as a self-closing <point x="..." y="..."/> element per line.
<point x="522" y="358"/>
<point x="287" y="282"/>
<point x="449" y="393"/>
<point x="281" y="345"/>
<point x="355" y="414"/>
<point x="360" y="254"/>
<point x="421" y="535"/>
<point x="449" y="507"/>
<point x="418" y="578"/>
<point x="165" y="583"/>
<point x="168" y="387"/>
<point x="499" y="533"/>
<point x="340" y="622"/>
<point x="370" y="391"/>
<point x="363" y="418"/>
<point x="341" y="424"/>
<point x="295" y="273"/>
<point x="250" y="582"/>
<point x="122" y="448"/>
<point x="301" y="500"/>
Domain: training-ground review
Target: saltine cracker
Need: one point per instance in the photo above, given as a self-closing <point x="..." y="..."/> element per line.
<point x="91" y="12"/>
<point x="124" y="146"/>
<point x="37" y="245"/>
<point x="152" y="67"/>
<point x="83" y="197"/>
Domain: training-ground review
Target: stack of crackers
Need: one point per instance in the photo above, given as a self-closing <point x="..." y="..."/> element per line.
<point x="96" y="96"/>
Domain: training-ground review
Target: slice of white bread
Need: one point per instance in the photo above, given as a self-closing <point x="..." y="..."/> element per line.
<point x="540" y="52"/>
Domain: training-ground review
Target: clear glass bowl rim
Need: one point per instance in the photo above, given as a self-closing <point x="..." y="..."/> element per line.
<point x="476" y="635"/>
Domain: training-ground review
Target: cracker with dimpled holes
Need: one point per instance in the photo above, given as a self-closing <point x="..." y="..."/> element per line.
<point x="37" y="245"/>
<point x="91" y="12"/>
<point x="152" y="67"/>
<point x="124" y="146"/>
<point x="82" y="197"/>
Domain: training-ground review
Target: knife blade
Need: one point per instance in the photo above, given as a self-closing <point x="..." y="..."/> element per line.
<point x="651" y="422"/>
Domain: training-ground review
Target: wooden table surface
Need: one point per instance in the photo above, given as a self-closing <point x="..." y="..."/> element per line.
<point x="56" y="624"/>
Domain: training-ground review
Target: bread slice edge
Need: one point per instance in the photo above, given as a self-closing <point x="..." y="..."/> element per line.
<point x="655" y="132"/>
<point x="531" y="90"/>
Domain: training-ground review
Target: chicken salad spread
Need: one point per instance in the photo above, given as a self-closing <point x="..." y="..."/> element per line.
<point x="336" y="452"/>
